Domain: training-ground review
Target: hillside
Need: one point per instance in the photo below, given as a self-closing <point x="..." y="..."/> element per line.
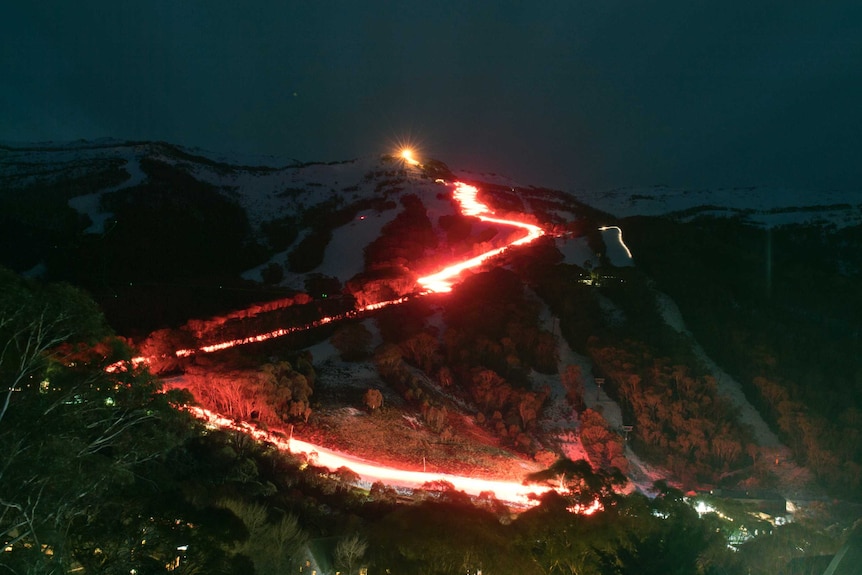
<point x="768" y="282"/>
<point x="165" y="238"/>
<point x="115" y="217"/>
<point x="703" y="339"/>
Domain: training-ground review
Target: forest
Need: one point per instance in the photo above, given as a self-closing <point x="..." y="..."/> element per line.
<point x="104" y="472"/>
<point x="780" y="309"/>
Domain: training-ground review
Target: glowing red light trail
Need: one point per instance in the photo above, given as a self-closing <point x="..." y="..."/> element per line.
<point x="465" y="195"/>
<point x="439" y="282"/>
<point x="510" y="491"/>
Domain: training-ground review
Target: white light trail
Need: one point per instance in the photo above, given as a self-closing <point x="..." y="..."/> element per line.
<point x="619" y="237"/>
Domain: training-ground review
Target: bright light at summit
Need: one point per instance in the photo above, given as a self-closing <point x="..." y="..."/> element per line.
<point x="407" y="155"/>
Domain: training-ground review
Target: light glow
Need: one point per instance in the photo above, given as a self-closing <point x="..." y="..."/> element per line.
<point x="122" y="364"/>
<point x="508" y="491"/>
<point x="407" y="156"/>
<point x="579" y="509"/>
<point x="620" y="233"/>
<point x="438" y="282"/>
<point x="466" y="196"/>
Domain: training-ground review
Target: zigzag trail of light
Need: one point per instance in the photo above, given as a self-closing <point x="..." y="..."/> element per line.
<point x="508" y="491"/>
<point x="466" y="196"/>
<point x="439" y="282"/>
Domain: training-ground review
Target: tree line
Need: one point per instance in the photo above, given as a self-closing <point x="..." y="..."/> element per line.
<point x="780" y="310"/>
<point x="103" y="473"/>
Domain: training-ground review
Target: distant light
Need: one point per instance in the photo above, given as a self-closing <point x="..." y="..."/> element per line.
<point x="703" y="508"/>
<point x="407" y="156"/>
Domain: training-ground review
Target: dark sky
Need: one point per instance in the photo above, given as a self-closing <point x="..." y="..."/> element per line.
<point x="570" y="94"/>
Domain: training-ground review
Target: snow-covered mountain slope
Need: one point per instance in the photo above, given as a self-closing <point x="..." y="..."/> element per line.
<point x="761" y="206"/>
<point x="366" y="192"/>
<point x="79" y="193"/>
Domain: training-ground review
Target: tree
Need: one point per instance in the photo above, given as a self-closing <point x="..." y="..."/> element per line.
<point x="436" y="417"/>
<point x="160" y="349"/>
<point x="666" y="538"/>
<point x="580" y="483"/>
<point x="373" y="399"/>
<point x="273" y="393"/>
<point x="272" y="273"/>
<point x="388" y="359"/>
<point x="352" y="341"/>
<point x="34" y="321"/>
<point x="560" y="542"/>
<point x="604" y="447"/>
<point x="349" y="553"/>
<point x="383" y="493"/>
<point x="439" y="538"/>
<point x="528" y="408"/>
<point x="421" y="349"/>
<point x="79" y="424"/>
<point x="273" y="545"/>
<point x="573" y="383"/>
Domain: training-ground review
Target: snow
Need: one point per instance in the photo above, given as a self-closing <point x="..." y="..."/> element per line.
<point x="344" y="256"/>
<point x="270" y="193"/>
<point x="293" y="281"/>
<point x="90" y="204"/>
<point x="617" y="252"/>
<point x="486" y="177"/>
<point x="558" y="413"/>
<point x="761" y="206"/>
<point x="727" y="386"/>
<point x="576" y="251"/>
<point x="792" y="477"/>
<point x="72" y="158"/>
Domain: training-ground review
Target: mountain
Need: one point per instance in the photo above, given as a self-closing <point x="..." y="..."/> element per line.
<point x="213" y="249"/>
<point x="114" y="216"/>
<point x="764" y="207"/>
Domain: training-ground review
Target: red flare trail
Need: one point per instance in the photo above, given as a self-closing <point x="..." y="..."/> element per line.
<point x="466" y="196"/>
<point x="438" y="282"/>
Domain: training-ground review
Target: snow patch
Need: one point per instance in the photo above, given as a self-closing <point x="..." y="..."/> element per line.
<point x="727" y="386"/>
<point x="344" y="256"/>
<point x="616" y="250"/>
<point x="576" y="251"/>
<point x="91" y="204"/>
<point x="760" y="206"/>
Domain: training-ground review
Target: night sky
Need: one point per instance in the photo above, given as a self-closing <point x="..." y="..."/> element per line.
<point x="568" y="94"/>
